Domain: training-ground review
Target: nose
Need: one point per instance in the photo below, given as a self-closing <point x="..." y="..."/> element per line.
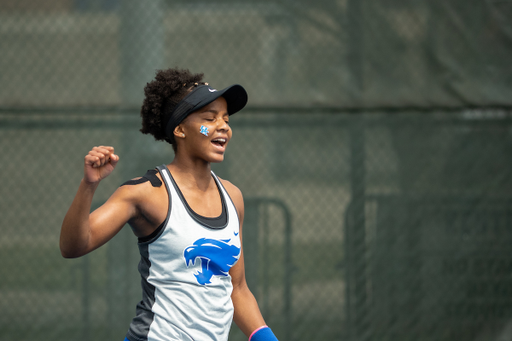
<point x="223" y="125"/>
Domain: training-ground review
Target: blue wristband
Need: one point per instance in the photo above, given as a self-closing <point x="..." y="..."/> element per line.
<point x="263" y="334"/>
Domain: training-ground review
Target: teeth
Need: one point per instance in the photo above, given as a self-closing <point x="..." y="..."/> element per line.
<point x="220" y="140"/>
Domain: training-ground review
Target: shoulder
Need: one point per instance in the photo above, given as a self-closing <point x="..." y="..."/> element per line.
<point x="148" y="205"/>
<point x="132" y="193"/>
<point x="140" y="188"/>
<point x="235" y="194"/>
<point x="151" y="175"/>
<point x="126" y="204"/>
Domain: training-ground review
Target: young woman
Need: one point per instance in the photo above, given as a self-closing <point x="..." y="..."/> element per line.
<point x="187" y="220"/>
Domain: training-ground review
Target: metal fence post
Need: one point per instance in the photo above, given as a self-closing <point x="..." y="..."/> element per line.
<point x="256" y="214"/>
<point x="356" y="253"/>
<point x="142" y="47"/>
<point x="141" y="43"/>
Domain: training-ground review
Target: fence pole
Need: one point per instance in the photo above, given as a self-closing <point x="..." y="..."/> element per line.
<point x="357" y="306"/>
<point x="142" y="47"/>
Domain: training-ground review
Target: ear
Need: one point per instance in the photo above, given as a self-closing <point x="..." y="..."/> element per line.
<point x="178" y="132"/>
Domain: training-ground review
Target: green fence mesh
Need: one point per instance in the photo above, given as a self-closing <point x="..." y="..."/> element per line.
<point x="374" y="158"/>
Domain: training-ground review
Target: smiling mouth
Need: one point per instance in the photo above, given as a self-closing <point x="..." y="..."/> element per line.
<point x="221" y="142"/>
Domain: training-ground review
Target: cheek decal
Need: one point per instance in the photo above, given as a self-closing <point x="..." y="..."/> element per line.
<point x="204" y="130"/>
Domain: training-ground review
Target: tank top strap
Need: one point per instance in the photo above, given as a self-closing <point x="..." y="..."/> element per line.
<point x="167" y="179"/>
<point x="230" y="205"/>
<point x="175" y="201"/>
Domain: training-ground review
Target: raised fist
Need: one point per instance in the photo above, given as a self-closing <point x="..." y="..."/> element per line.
<point x="99" y="163"/>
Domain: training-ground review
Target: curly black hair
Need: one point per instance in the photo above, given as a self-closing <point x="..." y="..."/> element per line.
<point x="167" y="89"/>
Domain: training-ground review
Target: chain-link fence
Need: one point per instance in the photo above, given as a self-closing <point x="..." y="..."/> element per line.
<point x="374" y="158"/>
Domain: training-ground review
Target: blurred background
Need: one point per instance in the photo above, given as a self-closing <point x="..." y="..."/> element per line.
<point x="374" y="157"/>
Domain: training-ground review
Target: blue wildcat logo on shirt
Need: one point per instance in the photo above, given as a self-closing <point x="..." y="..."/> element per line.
<point x="216" y="257"/>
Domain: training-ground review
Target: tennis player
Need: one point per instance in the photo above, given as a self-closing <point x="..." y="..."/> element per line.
<point x="187" y="220"/>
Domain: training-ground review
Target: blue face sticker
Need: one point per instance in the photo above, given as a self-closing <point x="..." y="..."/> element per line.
<point x="204" y="131"/>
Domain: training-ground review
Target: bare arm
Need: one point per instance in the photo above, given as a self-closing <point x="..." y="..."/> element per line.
<point x="247" y="315"/>
<point x="82" y="231"/>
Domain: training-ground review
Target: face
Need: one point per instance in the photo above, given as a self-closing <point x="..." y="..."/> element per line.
<point x="206" y="131"/>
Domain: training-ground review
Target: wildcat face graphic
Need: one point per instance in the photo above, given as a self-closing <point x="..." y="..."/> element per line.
<point x="216" y="257"/>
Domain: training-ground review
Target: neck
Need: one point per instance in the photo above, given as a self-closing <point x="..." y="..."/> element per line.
<point x="191" y="174"/>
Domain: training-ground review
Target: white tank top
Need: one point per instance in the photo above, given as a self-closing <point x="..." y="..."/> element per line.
<point x="185" y="273"/>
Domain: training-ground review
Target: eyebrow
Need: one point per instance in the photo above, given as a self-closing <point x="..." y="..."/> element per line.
<point x="213" y="111"/>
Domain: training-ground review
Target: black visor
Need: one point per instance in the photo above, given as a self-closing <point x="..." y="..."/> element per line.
<point x="235" y="96"/>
